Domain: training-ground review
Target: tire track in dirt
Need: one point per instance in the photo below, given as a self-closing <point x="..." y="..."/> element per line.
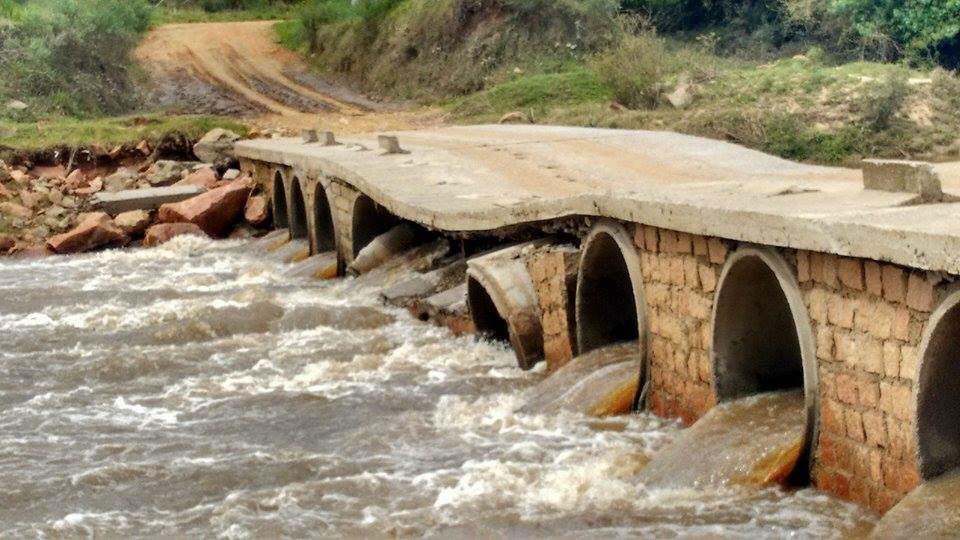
<point x="239" y="69"/>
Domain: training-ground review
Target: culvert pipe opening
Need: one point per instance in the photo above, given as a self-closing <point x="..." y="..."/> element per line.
<point x="323" y="221"/>
<point x="486" y="317"/>
<point x="606" y="306"/>
<point x="763" y="342"/>
<point x="938" y="392"/>
<point x="370" y="220"/>
<point x="279" y="197"/>
<point x="298" y="211"/>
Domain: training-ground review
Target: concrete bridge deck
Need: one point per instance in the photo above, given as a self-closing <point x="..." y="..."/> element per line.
<point x="481" y="178"/>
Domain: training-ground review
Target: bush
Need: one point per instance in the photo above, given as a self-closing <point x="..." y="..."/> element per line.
<point x="72" y="56"/>
<point x="920" y="28"/>
<point x="884" y="100"/>
<point x="636" y="69"/>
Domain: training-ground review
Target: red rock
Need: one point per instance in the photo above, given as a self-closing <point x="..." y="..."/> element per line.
<point x="76" y="179"/>
<point x="53" y="171"/>
<point x="96" y="230"/>
<point x="134" y="222"/>
<point x="143" y="148"/>
<point x="20" y="177"/>
<point x="257" y="211"/>
<point x="95" y="187"/>
<point x="164" y="232"/>
<point x="205" y="177"/>
<point x="214" y="211"/>
<point x="30" y="252"/>
<point x="6" y="243"/>
<point x="4" y="192"/>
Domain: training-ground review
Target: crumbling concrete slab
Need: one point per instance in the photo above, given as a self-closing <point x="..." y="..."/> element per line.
<point x="482" y="178"/>
<point x="143" y="199"/>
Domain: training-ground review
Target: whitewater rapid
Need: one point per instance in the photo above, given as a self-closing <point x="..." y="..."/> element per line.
<point x="196" y="389"/>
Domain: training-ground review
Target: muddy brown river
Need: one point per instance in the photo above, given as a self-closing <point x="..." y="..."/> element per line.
<point x="196" y="389"/>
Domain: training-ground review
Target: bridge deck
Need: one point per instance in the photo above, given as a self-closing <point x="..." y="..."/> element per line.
<point x="486" y="177"/>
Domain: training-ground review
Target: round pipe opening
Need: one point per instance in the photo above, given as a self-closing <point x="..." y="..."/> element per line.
<point x="762" y="337"/>
<point x="298" y="211"/>
<point x="370" y="220"/>
<point x="280" y="218"/>
<point x="608" y="291"/>
<point x="938" y="392"/>
<point x="323" y="221"/>
<point x="489" y="323"/>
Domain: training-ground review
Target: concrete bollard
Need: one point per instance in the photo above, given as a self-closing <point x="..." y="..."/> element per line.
<point x="390" y="144"/>
<point x="310" y="136"/>
<point x="903" y="177"/>
<point x="329" y="139"/>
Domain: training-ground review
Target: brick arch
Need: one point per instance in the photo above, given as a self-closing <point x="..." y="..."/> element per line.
<point x="368" y="221"/>
<point x="324" y="230"/>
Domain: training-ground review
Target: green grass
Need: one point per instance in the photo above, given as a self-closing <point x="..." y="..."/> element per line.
<point x="291" y="34"/>
<point x="176" y="15"/>
<point x="26" y="137"/>
<point x="536" y="93"/>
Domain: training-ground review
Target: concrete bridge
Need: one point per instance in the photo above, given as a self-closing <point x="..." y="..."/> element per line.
<point x="736" y="272"/>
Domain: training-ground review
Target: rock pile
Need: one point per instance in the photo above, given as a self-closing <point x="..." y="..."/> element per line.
<point x="46" y="210"/>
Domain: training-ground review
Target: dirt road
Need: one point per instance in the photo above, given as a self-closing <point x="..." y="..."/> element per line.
<point x="238" y="69"/>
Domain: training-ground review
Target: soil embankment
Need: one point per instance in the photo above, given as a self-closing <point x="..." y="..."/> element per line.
<point x="239" y="69"/>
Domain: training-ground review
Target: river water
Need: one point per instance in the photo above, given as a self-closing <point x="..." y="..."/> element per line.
<point x="195" y="389"/>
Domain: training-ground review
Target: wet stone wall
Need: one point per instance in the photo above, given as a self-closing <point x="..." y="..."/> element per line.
<point x="554" y="274"/>
<point x="868" y="319"/>
<point x="680" y="275"/>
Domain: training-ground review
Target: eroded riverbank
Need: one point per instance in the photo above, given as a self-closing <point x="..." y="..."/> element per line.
<point x="198" y="389"/>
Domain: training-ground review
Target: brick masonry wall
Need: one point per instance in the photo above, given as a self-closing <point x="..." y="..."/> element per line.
<point x="868" y="319"/>
<point x="554" y="274"/>
<point x="680" y="275"/>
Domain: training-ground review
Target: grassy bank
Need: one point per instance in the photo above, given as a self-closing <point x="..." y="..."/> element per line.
<point x="19" y="138"/>
<point x="582" y="62"/>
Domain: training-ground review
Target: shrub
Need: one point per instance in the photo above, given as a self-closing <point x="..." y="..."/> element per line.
<point x="72" y="56"/>
<point x="884" y="100"/>
<point x="636" y="69"/>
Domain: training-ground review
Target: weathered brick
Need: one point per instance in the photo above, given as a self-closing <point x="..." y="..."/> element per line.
<point x="700" y="307"/>
<point x="832" y="481"/>
<point x="803" y="266"/>
<point x="882" y="321"/>
<point x="708" y="277"/>
<point x="718" y="250"/>
<point x="840" y="311"/>
<point x="908" y="363"/>
<point x="816" y="266"/>
<point x="684" y="243"/>
<point x="691" y="273"/>
<point x="668" y="241"/>
<point x="894" y="283"/>
<point x="901" y="324"/>
<point x="900" y="439"/>
<point x="854" y="425"/>
<point x="700" y="246"/>
<point x="831" y="417"/>
<point x="873" y="278"/>
<point x="870" y="355"/>
<point x="899" y="475"/>
<point x="638" y="236"/>
<point x="851" y="273"/>
<point x="868" y="391"/>
<point x="874" y="465"/>
<point x="817" y="299"/>
<point x="676" y="271"/>
<point x="651" y="241"/>
<point x="846" y="389"/>
<point x="891" y="359"/>
<point x="920" y="293"/>
<point x="875" y="428"/>
<point x="896" y="400"/>
<point x="825" y="343"/>
<point x="831" y="271"/>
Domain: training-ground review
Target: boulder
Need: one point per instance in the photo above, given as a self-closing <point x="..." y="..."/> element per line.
<point x="216" y="145"/>
<point x="55" y="196"/>
<point x="257" y="210"/>
<point x="204" y="177"/>
<point x="15" y="210"/>
<point x="6" y="243"/>
<point x="95" y="187"/>
<point x="515" y="117"/>
<point x="4" y="172"/>
<point x="214" y="211"/>
<point x="120" y="180"/>
<point x="5" y="193"/>
<point x="143" y="148"/>
<point x="75" y="179"/>
<point x="163" y="232"/>
<point x="30" y="199"/>
<point x="134" y="222"/>
<point x="166" y="172"/>
<point x="231" y="175"/>
<point x="30" y="252"/>
<point x="682" y="96"/>
<point x="95" y="230"/>
<point x="16" y="105"/>
<point x="20" y="177"/>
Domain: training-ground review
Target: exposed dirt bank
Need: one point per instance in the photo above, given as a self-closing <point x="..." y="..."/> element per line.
<point x="238" y="69"/>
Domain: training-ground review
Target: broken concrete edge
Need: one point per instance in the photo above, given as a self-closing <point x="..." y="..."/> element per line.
<point x="841" y="234"/>
<point x="505" y="279"/>
<point x="143" y="199"/>
<point x="900" y="176"/>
